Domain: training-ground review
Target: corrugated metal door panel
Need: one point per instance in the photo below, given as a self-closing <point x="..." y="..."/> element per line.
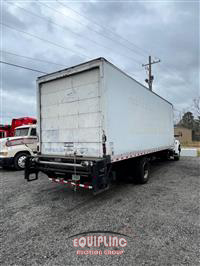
<point x="71" y="94"/>
<point x="89" y="106"/>
<point x="71" y="115"/>
<point x="89" y="120"/>
<point x="60" y="84"/>
<point x="67" y="109"/>
<point x="88" y="91"/>
<point x="78" y="135"/>
<point x="55" y="148"/>
<point x="49" y="111"/>
<point x="49" y="123"/>
<point x="86" y="77"/>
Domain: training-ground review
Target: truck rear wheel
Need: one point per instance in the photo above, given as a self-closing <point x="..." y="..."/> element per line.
<point x="142" y="171"/>
<point x="19" y="160"/>
<point x="176" y="157"/>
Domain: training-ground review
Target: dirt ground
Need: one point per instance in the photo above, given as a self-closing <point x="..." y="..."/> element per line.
<point x="160" y="219"/>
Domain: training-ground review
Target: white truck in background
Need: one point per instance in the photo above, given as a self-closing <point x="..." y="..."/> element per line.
<point x="94" y="119"/>
<point x="14" y="150"/>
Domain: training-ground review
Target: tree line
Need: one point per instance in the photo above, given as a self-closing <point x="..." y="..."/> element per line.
<point x="189" y="120"/>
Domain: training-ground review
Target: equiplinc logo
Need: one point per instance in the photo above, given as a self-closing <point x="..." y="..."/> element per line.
<point x="100" y="244"/>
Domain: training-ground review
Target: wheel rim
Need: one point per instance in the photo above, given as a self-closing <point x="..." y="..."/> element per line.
<point x="146" y="171"/>
<point x="21" y="161"/>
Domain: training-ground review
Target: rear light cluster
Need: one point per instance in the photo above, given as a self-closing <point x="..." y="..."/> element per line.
<point x="19" y="142"/>
<point x="87" y="163"/>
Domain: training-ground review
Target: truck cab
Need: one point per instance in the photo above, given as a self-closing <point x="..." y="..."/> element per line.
<point x="2" y="134"/>
<point x="14" y="150"/>
<point x="5" y="131"/>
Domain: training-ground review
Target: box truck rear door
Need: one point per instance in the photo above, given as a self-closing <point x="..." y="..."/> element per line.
<point x="71" y="116"/>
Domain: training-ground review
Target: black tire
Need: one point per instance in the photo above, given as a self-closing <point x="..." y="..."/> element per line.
<point x="19" y="160"/>
<point x="142" y="171"/>
<point x="165" y="156"/>
<point x="177" y="157"/>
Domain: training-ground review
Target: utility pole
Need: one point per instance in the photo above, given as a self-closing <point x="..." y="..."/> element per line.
<point x="151" y="77"/>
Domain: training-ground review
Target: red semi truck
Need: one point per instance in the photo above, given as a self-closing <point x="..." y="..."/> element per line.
<point x="8" y="130"/>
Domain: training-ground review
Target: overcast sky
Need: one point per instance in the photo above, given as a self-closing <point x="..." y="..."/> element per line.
<point x="123" y="32"/>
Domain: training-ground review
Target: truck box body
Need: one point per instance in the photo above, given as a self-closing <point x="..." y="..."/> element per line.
<point x="94" y="109"/>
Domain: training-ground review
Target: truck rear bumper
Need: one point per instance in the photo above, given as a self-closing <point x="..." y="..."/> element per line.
<point x="90" y="173"/>
<point x="6" y="161"/>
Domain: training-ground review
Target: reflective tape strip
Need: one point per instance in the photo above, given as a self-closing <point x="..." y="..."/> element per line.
<point x="85" y="186"/>
<point x="136" y="154"/>
<point x="70" y="183"/>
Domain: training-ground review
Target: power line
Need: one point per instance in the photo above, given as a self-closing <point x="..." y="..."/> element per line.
<point x="27" y="68"/>
<point x="13" y="28"/>
<point x="31" y="35"/>
<point x="40" y="60"/>
<point x="94" y="22"/>
<point x="91" y="29"/>
<point x="44" y="40"/>
<point x="31" y="58"/>
<point x="142" y="51"/>
<point x="68" y="29"/>
<point x="26" y="56"/>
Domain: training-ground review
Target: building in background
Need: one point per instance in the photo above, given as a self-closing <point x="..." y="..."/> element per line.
<point x="184" y="135"/>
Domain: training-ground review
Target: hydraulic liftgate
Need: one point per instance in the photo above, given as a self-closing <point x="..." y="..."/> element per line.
<point x="88" y="173"/>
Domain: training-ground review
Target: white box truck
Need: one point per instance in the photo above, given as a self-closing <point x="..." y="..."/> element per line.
<point x="93" y="118"/>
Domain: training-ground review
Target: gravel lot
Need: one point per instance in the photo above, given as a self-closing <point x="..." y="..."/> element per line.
<point x="160" y="218"/>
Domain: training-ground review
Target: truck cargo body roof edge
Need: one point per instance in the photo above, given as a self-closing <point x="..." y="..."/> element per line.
<point x="69" y="70"/>
<point x="91" y="64"/>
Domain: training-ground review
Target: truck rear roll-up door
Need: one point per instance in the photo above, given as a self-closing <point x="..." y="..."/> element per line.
<point x="71" y="115"/>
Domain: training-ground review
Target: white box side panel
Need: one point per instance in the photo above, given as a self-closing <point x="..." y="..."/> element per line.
<point x="135" y="118"/>
<point x="71" y="116"/>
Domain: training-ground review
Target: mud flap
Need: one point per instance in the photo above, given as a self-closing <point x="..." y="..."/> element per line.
<point x="30" y="169"/>
<point x="101" y="178"/>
